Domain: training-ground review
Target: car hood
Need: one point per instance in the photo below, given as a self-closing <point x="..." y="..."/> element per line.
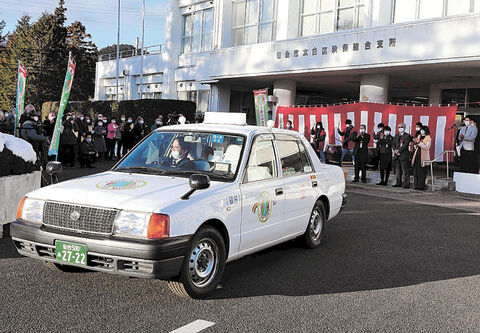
<point x="139" y="192"/>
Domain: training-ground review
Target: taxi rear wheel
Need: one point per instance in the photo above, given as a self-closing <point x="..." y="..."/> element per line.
<point x="203" y="265"/>
<point x="315" y="233"/>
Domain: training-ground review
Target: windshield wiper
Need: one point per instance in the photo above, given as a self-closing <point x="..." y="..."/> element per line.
<point x="143" y="168"/>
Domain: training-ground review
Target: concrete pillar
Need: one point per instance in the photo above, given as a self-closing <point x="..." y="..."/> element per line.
<point x="219" y="98"/>
<point x="173" y="43"/>
<point x="374" y="88"/>
<point x="435" y="97"/>
<point x="285" y="91"/>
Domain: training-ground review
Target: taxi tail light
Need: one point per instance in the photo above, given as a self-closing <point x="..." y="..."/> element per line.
<point x="158" y="226"/>
<point x="20" y="208"/>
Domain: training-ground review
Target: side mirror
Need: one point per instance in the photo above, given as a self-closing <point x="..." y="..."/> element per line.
<point x="54" y="168"/>
<point x="197" y="182"/>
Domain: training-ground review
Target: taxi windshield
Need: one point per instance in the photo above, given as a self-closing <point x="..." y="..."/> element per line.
<point x="184" y="153"/>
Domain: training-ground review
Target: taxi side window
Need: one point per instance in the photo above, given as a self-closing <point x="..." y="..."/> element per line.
<point x="293" y="157"/>
<point x="261" y="162"/>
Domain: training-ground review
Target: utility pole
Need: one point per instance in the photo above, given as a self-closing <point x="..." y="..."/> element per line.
<point x="118" y="47"/>
<point x="141" y="55"/>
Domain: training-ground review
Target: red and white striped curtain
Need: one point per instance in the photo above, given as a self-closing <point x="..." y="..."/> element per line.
<point x="439" y="120"/>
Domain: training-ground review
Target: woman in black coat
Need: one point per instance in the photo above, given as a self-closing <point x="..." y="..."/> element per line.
<point x="384" y="143"/>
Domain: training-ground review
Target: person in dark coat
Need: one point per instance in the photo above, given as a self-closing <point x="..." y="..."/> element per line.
<point x="179" y="155"/>
<point x="99" y="144"/>
<point x="319" y="135"/>
<point x="6" y="126"/>
<point x="68" y="141"/>
<point x="139" y="130"/>
<point x="360" y="151"/>
<point x="49" y="124"/>
<point x="348" y="143"/>
<point x="384" y="145"/>
<point x="31" y="131"/>
<point x="401" y="155"/>
<point x="87" y="155"/>
<point x="121" y="140"/>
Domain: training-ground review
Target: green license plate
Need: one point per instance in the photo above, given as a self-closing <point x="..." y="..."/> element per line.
<point x="71" y="253"/>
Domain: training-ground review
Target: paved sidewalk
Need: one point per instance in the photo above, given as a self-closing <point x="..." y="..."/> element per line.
<point x="454" y="200"/>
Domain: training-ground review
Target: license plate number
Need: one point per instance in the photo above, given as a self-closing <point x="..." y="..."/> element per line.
<point x="71" y="253"/>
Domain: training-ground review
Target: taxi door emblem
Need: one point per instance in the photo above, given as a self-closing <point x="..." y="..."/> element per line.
<point x="75" y="215"/>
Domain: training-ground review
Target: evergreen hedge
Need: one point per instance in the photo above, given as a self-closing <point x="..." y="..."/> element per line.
<point x="148" y="108"/>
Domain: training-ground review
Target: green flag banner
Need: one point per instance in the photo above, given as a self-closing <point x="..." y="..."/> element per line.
<point x="63" y="104"/>
<point x="21" y="82"/>
<point x="261" y="106"/>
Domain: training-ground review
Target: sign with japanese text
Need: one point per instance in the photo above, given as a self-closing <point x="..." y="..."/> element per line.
<point x="261" y="106"/>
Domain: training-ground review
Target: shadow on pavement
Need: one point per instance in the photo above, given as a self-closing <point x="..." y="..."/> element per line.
<point x="7" y="249"/>
<point x="373" y="244"/>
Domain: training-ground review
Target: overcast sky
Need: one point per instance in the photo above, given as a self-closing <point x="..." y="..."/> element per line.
<point x="99" y="17"/>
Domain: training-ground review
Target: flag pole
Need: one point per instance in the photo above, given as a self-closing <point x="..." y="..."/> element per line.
<point x="118" y="47"/>
<point x="141" y="53"/>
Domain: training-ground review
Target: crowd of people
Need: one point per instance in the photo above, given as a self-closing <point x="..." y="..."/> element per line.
<point x="82" y="138"/>
<point x="405" y="153"/>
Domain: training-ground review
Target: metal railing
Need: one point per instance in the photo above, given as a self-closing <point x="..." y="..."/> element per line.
<point x="152" y="49"/>
<point x="436" y="159"/>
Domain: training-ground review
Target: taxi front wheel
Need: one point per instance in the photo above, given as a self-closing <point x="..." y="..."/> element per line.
<point x="203" y="265"/>
<point x="315" y="233"/>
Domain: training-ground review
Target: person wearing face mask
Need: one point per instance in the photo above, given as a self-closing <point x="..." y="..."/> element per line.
<point x="384" y="146"/>
<point x="421" y="153"/>
<point x="139" y="130"/>
<point x="289" y="125"/>
<point x="467" y="136"/>
<point x="418" y="128"/>
<point x="120" y="136"/>
<point x="179" y="157"/>
<point x="156" y="124"/>
<point x="68" y="141"/>
<point x="360" y="151"/>
<point x="111" y="139"/>
<point x="49" y="124"/>
<point x="348" y="143"/>
<point x="30" y="131"/>
<point x="319" y="134"/>
<point x="401" y="155"/>
<point x="128" y="135"/>
<point x="5" y="126"/>
<point x="87" y="155"/>
<point x="99" y="144"/>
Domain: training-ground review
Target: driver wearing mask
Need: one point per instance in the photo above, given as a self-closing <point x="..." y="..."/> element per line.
<point x="179" y="157"/>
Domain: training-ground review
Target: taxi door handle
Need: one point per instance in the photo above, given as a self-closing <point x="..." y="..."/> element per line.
<point x="279" y="191"/>
<point x="314" y="183"/>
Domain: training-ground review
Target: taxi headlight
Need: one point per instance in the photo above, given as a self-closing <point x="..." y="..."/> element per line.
<point x="32" y="210"/>
<point x="131" y="224"/>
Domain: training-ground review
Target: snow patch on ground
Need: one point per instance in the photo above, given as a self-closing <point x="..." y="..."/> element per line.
<point x="18" y="147"/>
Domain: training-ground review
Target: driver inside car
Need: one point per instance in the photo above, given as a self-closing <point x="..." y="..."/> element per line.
<point x="178" y="158"/>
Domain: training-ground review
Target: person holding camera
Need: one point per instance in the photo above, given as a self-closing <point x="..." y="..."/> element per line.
<point x="360" y="152"/>
<point x="319" y="135"/>
<point x="31" y="131"/>
<point x="384" y="146"/>
<point x="401" y="155"/>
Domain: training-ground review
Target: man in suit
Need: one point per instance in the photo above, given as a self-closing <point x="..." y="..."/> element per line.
<point x="401" y="155"/>
<point x="360" y="151"/>
<point x="467" y="136"/>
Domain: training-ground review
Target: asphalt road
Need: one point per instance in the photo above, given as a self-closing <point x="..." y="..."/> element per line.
<point x="387" y="266"/>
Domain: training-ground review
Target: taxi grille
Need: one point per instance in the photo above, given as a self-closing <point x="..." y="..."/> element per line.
<point x="80" y="219"/>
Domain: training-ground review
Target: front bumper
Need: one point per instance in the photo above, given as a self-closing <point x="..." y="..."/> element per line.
<point x="161" y="259"/>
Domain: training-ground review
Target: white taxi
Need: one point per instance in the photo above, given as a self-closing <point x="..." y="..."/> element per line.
<point x="184" y="202"/>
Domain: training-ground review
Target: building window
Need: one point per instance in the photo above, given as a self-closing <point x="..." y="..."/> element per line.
<point x="197" y="31"/>
<point x="411" y="10"/>
<point x="199" y="97"/>
<point x="152" y="95"/>
<point x="254" y="21"/>
<point x="324" y="16"/>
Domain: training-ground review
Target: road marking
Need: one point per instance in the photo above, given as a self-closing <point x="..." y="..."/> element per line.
<point x="193" y="327"/>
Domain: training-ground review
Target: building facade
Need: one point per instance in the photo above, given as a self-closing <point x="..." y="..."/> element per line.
<point x="309" y="52"/>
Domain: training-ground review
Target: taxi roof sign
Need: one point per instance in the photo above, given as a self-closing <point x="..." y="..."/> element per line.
<point x="225" y="118"/>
